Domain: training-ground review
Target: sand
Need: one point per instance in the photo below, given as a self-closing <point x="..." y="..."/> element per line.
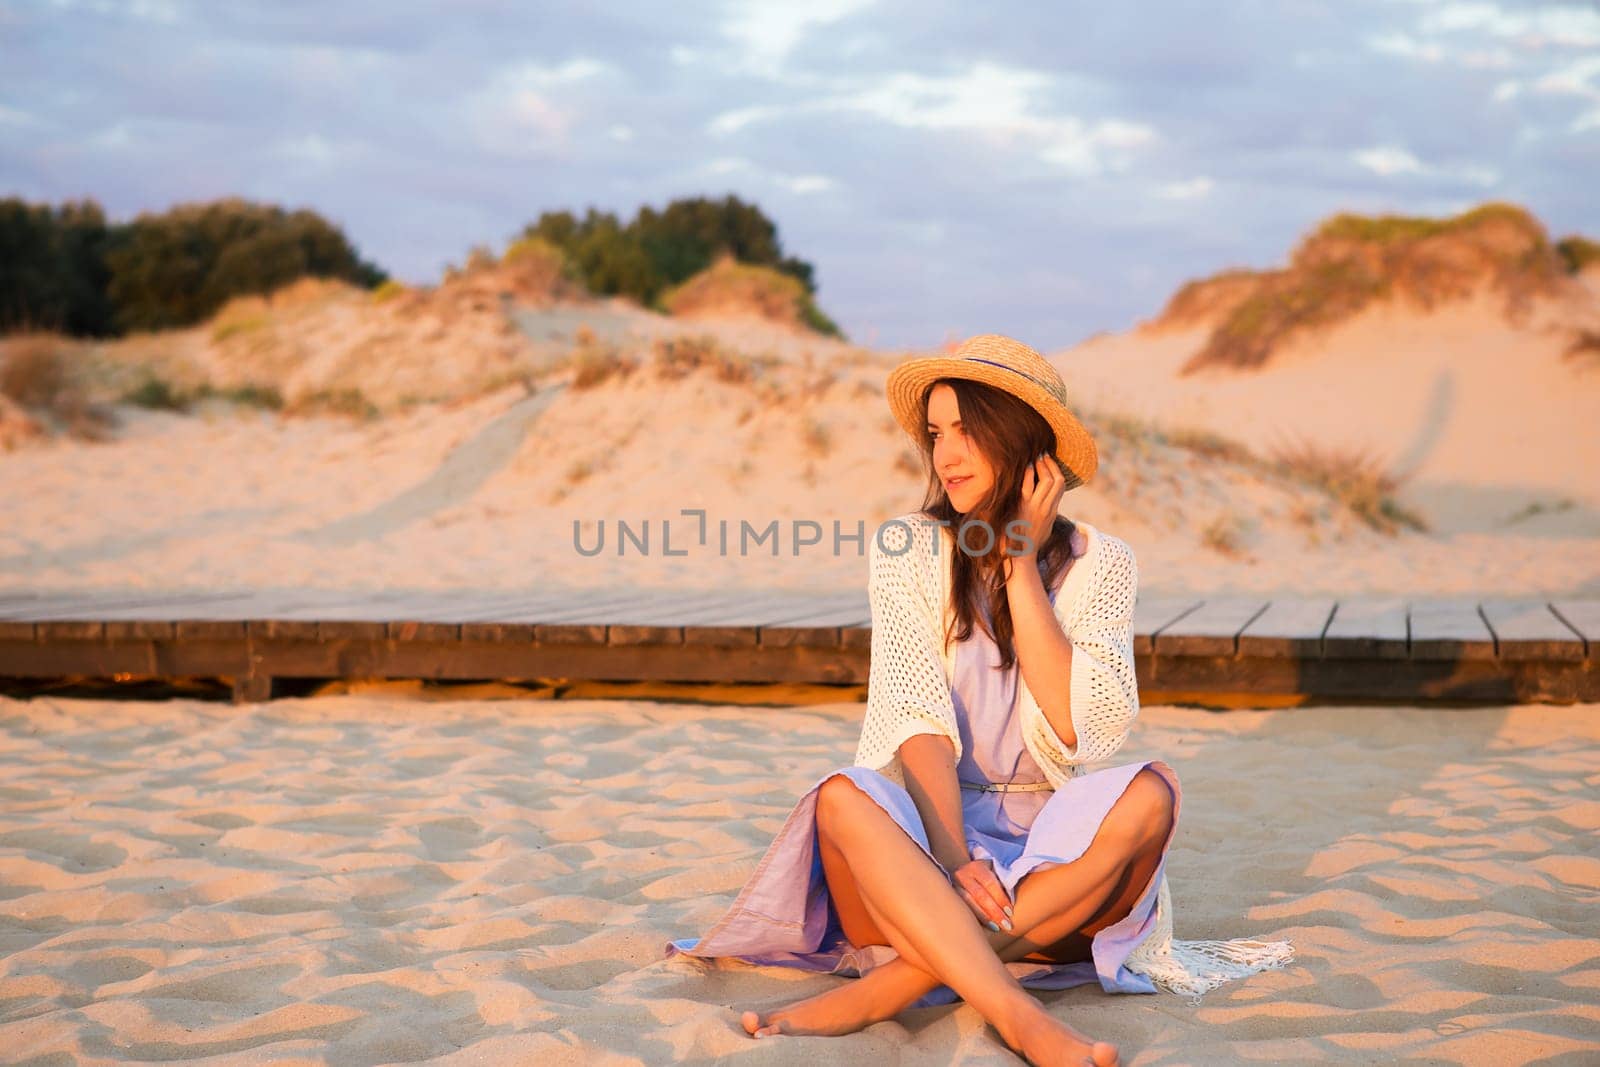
<point x="484" y="494"/>
<point x="382" y="878"/>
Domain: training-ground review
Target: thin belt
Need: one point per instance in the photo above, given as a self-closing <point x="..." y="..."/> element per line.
<point x="1007" y="787"/>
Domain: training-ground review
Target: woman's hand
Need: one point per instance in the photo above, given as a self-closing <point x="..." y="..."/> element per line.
<point x="977" y="885"/>
<point x="1037" y="505"/>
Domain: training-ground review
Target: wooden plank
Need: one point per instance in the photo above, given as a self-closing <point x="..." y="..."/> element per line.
<point x="14" y="630"/>
<point x="140" y="630"/>
<point x="412" y="630"/>
<point x="1151" y="614"/>
<point x="670" y="607"/>
<point x="522" y="606"/>
<point x="798" y="636"/>
<point x="69" y="630"/>
<point x="850" y="609"/>
<point x="350" y="630"/>
<point x="720" y="636"/>
<point x="1367" y="629"/>
<point x="275" y="629"/>
<point x="597" y="607"/>
<point x="1584" y="617"/>
<point x="1448" y="628"/>
<point x="631" y="634"/>
<point x="98" y="605"/>
<point x="1309" y="680"/>
<point x="1527" y="629"/>
<point x="45" y="659"/>
<point x="504" y="633"/>
<point x="1290" y="628"/>
<point x="1212" y="629"/>
<point x="208" y="630"/>
<point x="328" y="605"/>
<point x="788" y="608"/>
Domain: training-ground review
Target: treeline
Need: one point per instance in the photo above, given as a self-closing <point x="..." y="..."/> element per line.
<point x="656" y="250"/>
<point x="66" y="268"/>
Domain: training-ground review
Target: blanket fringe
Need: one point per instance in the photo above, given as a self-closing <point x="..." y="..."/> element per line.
<point x="1196" y="967"/>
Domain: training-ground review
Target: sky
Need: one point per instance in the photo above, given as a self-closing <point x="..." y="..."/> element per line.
<point x="949" y="168"/>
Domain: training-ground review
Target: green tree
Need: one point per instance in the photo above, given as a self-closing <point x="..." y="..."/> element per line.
<point x="660" y="249"/>
<point x="180" y="266"/>
<point x="52" y="268"/>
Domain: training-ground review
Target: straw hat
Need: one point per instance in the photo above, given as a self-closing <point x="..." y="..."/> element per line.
<point x="1012" y="367"/>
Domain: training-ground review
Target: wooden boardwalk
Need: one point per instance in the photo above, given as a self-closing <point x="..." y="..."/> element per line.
<point x="1205" y="649"/>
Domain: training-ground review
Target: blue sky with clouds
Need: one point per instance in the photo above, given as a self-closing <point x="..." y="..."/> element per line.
<point x="1046" y="171"/>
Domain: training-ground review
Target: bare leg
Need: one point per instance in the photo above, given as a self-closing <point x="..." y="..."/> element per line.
<point x="909" y="901"/>
<point x="1077" y="898"/>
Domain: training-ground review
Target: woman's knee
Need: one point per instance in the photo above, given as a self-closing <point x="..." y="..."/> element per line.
<point x="835" y="795"/>
<point x="1147" y="805"/>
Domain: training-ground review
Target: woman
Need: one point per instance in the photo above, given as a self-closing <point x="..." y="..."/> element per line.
<point x="968" y="852"/>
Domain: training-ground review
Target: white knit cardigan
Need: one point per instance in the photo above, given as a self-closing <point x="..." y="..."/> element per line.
<point x="911" y="675"/>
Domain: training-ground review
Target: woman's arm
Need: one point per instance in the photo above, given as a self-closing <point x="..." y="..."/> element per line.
<point x="1044" y="651"/>
<point x="929" y="762"/>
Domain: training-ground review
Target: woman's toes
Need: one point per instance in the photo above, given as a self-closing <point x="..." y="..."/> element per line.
<point x="751" y="1022"/>
<point x="1104" y="1054"/>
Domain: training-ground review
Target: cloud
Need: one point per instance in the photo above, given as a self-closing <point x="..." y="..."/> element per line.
<point x="764" y="32"/>
<point x="1388" y="160"/>
<point x="807" y="184"/>
<point x="1560" y="26"/>
<point x="527" y="109"/>
<point x="994" y="104"/>
<point x="1391" y="160"/>
<point x="1188" y="189"/>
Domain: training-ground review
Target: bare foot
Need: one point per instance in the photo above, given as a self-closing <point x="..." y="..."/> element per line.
<point x="842" y="1010"/>
<point x="1046" y="1040"/>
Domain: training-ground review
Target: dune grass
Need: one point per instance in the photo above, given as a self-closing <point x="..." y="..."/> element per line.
<point x="38" y="372"/>
<point x="729" y="284"/>
<point x="1351" y="261"/>
<point x="1354" y="478"/>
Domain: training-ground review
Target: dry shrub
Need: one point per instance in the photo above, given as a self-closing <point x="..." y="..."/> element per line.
<point x="1211" y="445"/>
<point x="678" y="357"/>
<point x="731" y="287"/>
<point x="351" y="403"/>
<point x="1224" y="534"/>
<point x="595" y="365"/>
<point x="37" y="376"/>
<point x="1585" y="344"/>
<point x="1355" y="478"/>
<point x="818" y="438"/>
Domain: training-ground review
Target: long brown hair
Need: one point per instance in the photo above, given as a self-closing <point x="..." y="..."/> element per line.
<point x="1010" y="434"/>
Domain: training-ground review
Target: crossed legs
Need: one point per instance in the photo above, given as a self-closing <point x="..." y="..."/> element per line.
<point x="886" y="891"/>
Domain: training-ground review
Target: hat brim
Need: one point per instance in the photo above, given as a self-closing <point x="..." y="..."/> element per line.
<point x="1075" y="446"/>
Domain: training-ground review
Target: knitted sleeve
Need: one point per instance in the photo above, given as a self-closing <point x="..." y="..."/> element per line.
<point x="1104" y="691"/>
<point x="907" y="690"/>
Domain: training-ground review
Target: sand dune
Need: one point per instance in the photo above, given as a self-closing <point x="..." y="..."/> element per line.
<point x="483" y="494"/>
<point x="1487" y="423"/>
<point x="380" y="878"/>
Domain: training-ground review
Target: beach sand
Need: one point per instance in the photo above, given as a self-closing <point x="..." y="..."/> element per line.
<point x="380" y="877"/>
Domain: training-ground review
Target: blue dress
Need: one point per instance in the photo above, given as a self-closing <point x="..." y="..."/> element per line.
<point x="784" y="916"/>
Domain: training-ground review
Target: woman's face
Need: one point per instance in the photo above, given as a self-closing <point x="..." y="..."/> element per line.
<point x="955" y="455"/>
